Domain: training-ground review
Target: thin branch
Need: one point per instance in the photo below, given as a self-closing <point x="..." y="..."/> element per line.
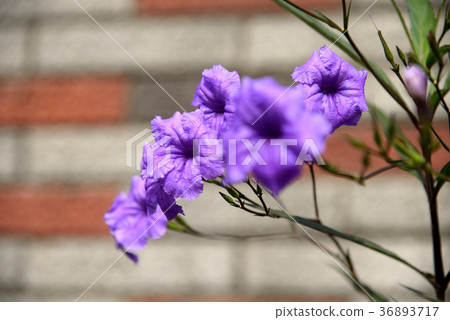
<point x="376" y="172"/>
<point x="313" y="180"/>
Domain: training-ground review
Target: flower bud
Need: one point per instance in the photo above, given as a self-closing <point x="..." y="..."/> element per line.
<point x="416" y="82"/>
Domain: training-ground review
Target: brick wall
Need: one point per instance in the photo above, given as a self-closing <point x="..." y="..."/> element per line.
<point x="70" y="98"/>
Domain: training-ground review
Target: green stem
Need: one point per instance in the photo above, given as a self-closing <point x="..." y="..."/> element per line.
<point x="382" y="82"/>
<point x="313" y="180"/>
<point x="439" y="277"/>
<point x="377" y="172"/>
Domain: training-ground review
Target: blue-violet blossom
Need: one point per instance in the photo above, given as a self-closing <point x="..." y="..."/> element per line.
<point x="268" y="134"/>
<point x="131" y="224"/>
<point x="156" y="196"/>
<point x="333" y="87"/>
<point x="185" y="151"/>
<point x="214" y="96"/>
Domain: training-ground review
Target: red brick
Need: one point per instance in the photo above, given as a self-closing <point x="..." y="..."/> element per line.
<point x="348" y="158"/>
<point x="62" y="100"/>
<point x="54" y="210"/>
<point x="155" y="7"/>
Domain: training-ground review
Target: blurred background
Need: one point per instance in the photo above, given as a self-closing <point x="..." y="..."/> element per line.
<point x="71" y="98"/>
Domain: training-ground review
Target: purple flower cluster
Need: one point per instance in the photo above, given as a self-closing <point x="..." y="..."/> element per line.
<point x="256" y="128"/>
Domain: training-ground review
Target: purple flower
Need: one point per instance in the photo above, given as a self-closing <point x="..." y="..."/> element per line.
<point x="184" y="152"/>
<point x="157" y="198"/>
<point x="214" y="96"/>
<point x="332" y="87"/>
<point x="269" y="132"/>
<point x="416" y="82"/>
<point x="130" y="223"/>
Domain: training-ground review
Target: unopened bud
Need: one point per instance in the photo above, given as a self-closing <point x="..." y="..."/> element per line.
<point x="416" y="82"/>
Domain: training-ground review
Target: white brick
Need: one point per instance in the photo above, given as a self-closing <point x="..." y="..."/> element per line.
<point x="26" y="8"/>
<point x="389" y="205"/>
<point x="303" y="270"/>
<point x="60" y="269"/>
<point x="211" y="214"/>
<point x="12" y="39"/>
<point x="12" y="263"/>
<point x="169" y="45"/>
<point x="7" y="155"/>
<point x="279" y="44"/>
<point x="172" y="265"/>
<point x="79" y="154"/>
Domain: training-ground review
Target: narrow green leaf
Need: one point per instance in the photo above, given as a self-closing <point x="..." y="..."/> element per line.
<point x="435" y="50"/>
<point x="393" y="133"/>
<point x="327" y="20"/>
<point x="259" y="189"/>
<point x="233" y="192"/>
<point x="365" y="162"/>
<point x="402" y="56"/>
<point x="331" y="168"/>
<point x="376" y="133"/>
<point x="440" y="181"/>
<point x="214" y="181"/>
<point x="172" y="225"/>
<point x="422" y="21"/>
<point x="387" y="51"/>
<point x="182" y="222"/>
<point x="421" y="294"/>
<point x="378" y="297"/>
<point x="356" y="143"/>
<point x="389" y="126"/>
<point x="402" y="19"/>
<point x="228" y="199"/>
<point x="445" y="49"/>
<point x="313" y="224"/>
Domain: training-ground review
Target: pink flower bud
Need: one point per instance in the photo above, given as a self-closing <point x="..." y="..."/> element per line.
<point x="416" y="82"/>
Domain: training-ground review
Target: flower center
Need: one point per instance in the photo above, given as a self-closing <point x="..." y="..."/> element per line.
<point x="188" y="150"/>
<point x="329" y="88"/>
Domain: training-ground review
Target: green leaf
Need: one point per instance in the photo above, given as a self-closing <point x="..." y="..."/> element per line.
<point x="387" y="51"/>
<point x="326" y="20"/>
<point x="313" y="224"/>
<point x="390" y="127"/>
<point x="422" y="19"/>
<point x="214" y="181"/>
<point x="233" y="192"/>
<point x="356" y="143"/>
<point x="395" y="137"/>
<point x="402" y="19"/>
<point x="440" y="181"/>
<point x="259" y="190"/>
<point x="331" y="168"/>
<point x="423" y="295"/>
<point x="402" y="56"/>
<point x="376" y="134"/>
<point x="432" y="59"/>
<point x="228" y="199"/>
<point x="172" y="225"/>
<point x="378" y="297"/>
